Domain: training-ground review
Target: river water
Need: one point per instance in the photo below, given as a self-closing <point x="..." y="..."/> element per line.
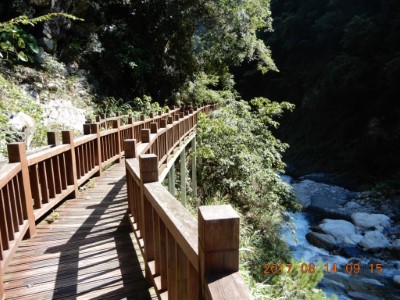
<point x="346" y="285"/>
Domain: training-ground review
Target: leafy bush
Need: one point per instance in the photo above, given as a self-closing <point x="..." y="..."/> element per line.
<point x="18" y="45"/>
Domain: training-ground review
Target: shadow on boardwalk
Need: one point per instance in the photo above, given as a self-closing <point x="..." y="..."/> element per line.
<point x="89" y="252"/>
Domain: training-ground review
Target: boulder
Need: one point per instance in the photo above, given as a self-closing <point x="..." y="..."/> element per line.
<point x="396" y="244"/>
<point x="374" y="241"/>
<point x="365" y="220"/>
<point x="339" y="229"/>
<point x="21" y="122"/>
<point x="396" y="281"/>
<point x="321" y="240"/>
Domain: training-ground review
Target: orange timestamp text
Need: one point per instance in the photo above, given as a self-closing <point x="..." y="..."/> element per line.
<point x="350" y="268"/>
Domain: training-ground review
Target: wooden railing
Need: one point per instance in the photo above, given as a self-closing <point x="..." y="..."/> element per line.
<point x="32" y="184"/>
<point x="185" y="258"/>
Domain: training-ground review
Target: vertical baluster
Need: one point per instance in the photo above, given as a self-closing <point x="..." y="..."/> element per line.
<point x="14" y="205"/>
<point x="3" y="223"/>
<point x="70" y="161"/>
<point x="172" y="267"/>
<point x="182" y="263"/>
<point x="34" y="177"/>
<point x="163" y="256"/>
<point x="50" y="177"/>
<point x="43" y="182"/>
<point x="57" y="174"/>
<point x="18" y="198"/>
<point x="63" y="172"/>
<point x="95" y="129"/>
<point x="8" y="213"/>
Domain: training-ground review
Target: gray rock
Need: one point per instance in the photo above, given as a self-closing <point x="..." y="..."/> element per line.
<point x="21" y="122"/>
<point x="352" y="205"/>
<point x="362" y="296"/>
<point x="367" y="221"/>
<point x="396" y="281"/>
<point x="41" y="3"/>
<point x="374" y="241"/>
<point x="339" y="229"/>
<point x="321" y="240"/>
<point x="396" y="245"/>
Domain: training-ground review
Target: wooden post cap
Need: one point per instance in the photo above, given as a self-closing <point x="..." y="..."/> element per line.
<point x="170" y="120"/>
<point x="176" y="117"/>
<point x="142" y="117"/>
<point x="86" y="128"/>
<point x="130" y="120"/>
<point x="186" y="112"/>
<point x="181" y="114"/>
<point x="67" y="136"/>
<point x="16" y="151"/>
<point x="218" y="239"/>
<point x="153" y="127"/>
<point x="151" y="115"/>
<point x="163" y="123"/>
<point x="145" y="135"/>
<point x="130" y="148"/>
<point x="53" y="137"/>
<point x="148" y="168"/>
<point x="160" y="113"/>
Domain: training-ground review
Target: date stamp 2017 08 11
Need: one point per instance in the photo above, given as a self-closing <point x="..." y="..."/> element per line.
<point x="351" y="268"/>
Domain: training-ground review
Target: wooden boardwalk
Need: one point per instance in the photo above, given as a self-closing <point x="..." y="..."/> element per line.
<point x="88" y="252"/>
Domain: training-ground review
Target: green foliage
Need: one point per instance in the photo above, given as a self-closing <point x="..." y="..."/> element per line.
<point x="240" y="161"/>
<point x="18" y="45"/>
<point x="339" y="63"/>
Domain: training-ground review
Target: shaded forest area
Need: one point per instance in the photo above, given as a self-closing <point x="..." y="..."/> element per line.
<point x="339" y="62"/>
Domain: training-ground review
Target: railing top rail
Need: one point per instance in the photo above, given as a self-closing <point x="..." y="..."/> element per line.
<point x="47" y="153"/>
<point x="7" y="172"/>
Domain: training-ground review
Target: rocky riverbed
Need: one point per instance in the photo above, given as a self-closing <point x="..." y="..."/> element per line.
<point x="346" y="228"/>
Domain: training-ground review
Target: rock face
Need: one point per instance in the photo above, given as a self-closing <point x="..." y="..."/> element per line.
<point x="367" y="221"/>
<point x="64" y="113"/>
<point x="374" y="241"/>
<point x="396" y="245"/>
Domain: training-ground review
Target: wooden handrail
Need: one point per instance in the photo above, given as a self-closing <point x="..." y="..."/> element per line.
<point x="31" y="185"/>
<point x="185" y="258"/>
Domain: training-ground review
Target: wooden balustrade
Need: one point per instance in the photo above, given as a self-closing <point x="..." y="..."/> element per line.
<point x="185" y="258"/>
<point x="31" y="185"/>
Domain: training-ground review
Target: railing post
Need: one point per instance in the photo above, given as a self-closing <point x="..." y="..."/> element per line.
<point x="130" y="122"/>
<point x="70" y="161"/>
<point x="218" y="242"/>
<point x="95" y="129"/>
<point x="145" y="135"/>
<point x="130" y="148"/>
<point x="153" y="128"/>
<point x="17" y="153"/>
<point x="116" y="125"/>
<point x="53" y="138"/>
<point x="86" y="128"/>
<point x="151" y="115"/>
<point x="142" y="117"/>
<point x="148" y="164"/>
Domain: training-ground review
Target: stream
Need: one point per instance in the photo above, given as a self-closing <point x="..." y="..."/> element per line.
<point x="374" y="276"/>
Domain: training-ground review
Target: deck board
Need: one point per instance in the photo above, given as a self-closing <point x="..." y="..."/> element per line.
<point x="88" y="252"/>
